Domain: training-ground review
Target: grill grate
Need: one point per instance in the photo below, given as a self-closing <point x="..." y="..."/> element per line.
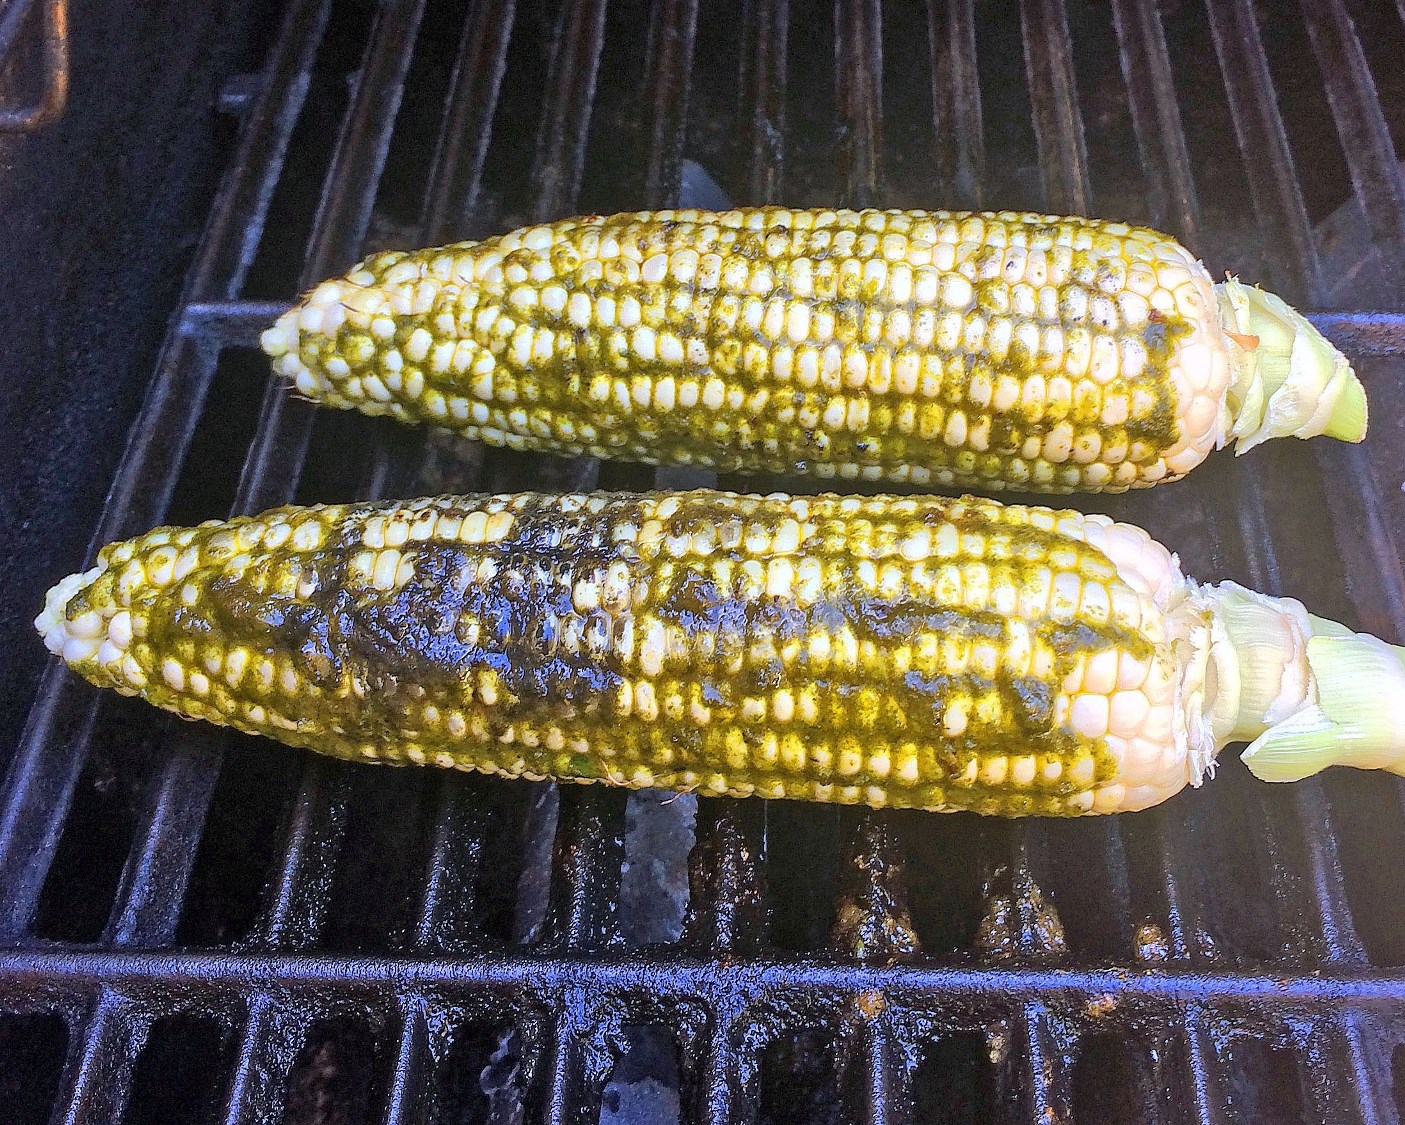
<point x="1233" y="956"/>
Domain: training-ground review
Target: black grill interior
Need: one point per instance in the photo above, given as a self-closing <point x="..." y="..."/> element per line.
<point x="199" y="926"/>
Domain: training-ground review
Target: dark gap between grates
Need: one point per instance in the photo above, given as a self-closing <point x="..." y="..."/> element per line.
<point x="801" y="853"/>
<point x="98" y="831"/>
<point x="335" y="1076"/>
<point x="239" y="846"/>
<point x="643" y="1088"/>
<point x="1306" y="114"/>
<point x="1113" y="1082"/>
<point x="616" y="150"/>
<point x="347" y="451"/>
<point x="716" y="133"/>
<point x="1259" y="1082"/>
<point x="294" y="206"/>
<point x="811" y="145"/>
<point x="1230" y="240"/>
<point x="955" y="1082"/>
<point x="177" y="1077"/>
<point x="1114" y="168"/>
<point x="1083" y="869"/>
<point x="1221" y="826"/>
<point x="911" y="161"/>
<point x="32" y="1048"/>
<point x="478" y="1079"/>
<point x="1011" y="156"/>
<point x="413" y="144"/>
<point x="944" y="878"/>
<point x="799" y="1082"/>
<point x="1364" y="813"/>
<point x="206" y="488"/>
<point x="380" y="868"/>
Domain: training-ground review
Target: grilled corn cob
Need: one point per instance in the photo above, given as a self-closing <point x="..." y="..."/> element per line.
<point x="984" y="350"/>
<point x="913" y="652"/>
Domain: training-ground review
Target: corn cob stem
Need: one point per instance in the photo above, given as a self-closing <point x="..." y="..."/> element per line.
<point x="1308" y="692"/>
<point x="1288" y="380"/>
<point x="985" y="350"/>
<point x="914" y="652"/>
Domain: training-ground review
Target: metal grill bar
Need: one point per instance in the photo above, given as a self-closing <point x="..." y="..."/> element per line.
<point x="561" y="151"/>
<point x="858" y="73"/>
<point x="405" y="1103"/>
<point x="884" y="1098"/>
<point x="497" y="981"/>
<point x="149" y="899"/>
<point x="766" y="37"/>
<point x="478" y="72"/>
<point x="671" y="63"/>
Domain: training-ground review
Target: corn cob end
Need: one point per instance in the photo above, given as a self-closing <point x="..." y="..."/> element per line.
<point x="1289" y="381"/>
<point x="93" y="640"/>
<point x="1308" y="692"/>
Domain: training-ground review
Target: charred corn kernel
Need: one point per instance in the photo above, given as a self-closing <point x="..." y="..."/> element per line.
<point x="988" y="350"/>
<point x="829" y="648"/>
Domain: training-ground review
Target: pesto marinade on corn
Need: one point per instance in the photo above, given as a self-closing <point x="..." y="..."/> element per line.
<point x="986" y="350"/>
<point x="913" y="652"/>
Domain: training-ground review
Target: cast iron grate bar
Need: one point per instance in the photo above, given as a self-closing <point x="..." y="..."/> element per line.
<point x="556" y="174"/>
<point x="457" y="171"/>
<point x="670" y="64"/>
<point x="498" y="979"/>
<point x="858" y="86"/>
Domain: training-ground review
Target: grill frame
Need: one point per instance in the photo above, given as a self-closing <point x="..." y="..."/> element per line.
<point x="722" y="991"/>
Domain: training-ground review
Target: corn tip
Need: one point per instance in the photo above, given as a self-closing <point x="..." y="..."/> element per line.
<point x="1349" y="417"/>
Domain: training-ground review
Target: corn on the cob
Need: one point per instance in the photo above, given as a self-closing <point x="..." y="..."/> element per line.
<point x="985" y="350"/>
<point x="917" y="652"/>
